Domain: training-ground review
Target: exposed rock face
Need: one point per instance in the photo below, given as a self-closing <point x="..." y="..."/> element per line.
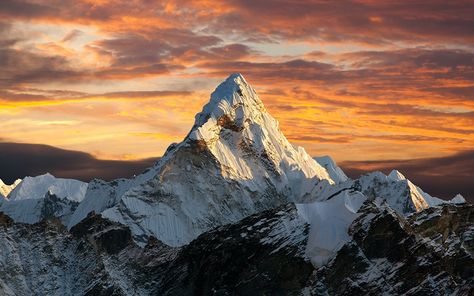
<point x="37" y="209"/>
<point x="263" y="254"/>
<point x="428" y="253"/>
<point x="98" y="257"/>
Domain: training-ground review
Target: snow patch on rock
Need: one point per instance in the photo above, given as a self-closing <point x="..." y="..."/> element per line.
<point x="330" y="221"/>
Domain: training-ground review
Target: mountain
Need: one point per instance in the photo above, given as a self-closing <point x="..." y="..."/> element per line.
<point x="428" y="253"/>
<point x="235" y="209"/>
<point x="234" y="162"/>
<point x="6" y="189"/>
<point x="37" y="187"/>
<point x="400" y="193"/>
<point x="43" y="197"/>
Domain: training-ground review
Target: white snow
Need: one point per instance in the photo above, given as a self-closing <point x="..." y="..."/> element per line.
<point x="335" y="172"/>
<point x="236" y="101"/>
<point x="458" y="199"/>
<point x="396" y="176"/>
<point x="37" y="187"/>
<point x="330" y="221"/>
<point x="31" y="200"/>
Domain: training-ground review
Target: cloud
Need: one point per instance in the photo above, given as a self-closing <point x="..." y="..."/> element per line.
<point x="390" y="79"/>
<point x="18" y="8"/>
<point x="439" y="176"/>
<point x="73" y="34"/>
<point x="19" y="160"/>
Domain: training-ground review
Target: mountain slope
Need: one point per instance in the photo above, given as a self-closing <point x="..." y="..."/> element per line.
<point x="37" y="187"/>
<point x="400" y="193"/>
<point x="335" y="172"/>
<point x="234" y="162"/>
<point x="6" y="189"/>
<point x="429" y="253"/>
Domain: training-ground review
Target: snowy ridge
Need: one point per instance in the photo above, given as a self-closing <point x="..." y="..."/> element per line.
<point x="335" y="210"/>
<point x="37" y="187"/>
<point x="335" y="172"/>
<point x="458" y="199"/>
<point x="43" y="197"/>
<point x="234" y="206"/>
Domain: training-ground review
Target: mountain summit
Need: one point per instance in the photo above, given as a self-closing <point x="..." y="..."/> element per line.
<point x="234" y="208"/>
<point x="234" y="162"/>
<point x="238" y="131"/>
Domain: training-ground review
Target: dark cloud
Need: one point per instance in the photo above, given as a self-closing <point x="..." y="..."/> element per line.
<point x="443" y="176"/>
<point x="19" y="160"/>
<point x="373" y="22"/>
<point x="18" y="8"/>
<point x="20" y="66"/>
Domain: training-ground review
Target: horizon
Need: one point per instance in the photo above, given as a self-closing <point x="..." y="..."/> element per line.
<point x="113" y="84"/>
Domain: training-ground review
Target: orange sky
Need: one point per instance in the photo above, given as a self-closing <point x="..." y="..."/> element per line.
<point x="358" y="80"/>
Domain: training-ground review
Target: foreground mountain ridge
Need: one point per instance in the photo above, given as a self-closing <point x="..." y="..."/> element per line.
<point x="429" y="253"/>
<point x="233" y="207"/>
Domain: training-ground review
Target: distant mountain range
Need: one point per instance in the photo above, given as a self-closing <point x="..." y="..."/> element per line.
<point x="234" y="209"/>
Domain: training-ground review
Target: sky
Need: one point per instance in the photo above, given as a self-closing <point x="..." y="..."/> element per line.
<point x="374" y="84"/>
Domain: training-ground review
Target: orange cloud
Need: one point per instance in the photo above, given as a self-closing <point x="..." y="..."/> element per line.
<point x="361" y="79"/>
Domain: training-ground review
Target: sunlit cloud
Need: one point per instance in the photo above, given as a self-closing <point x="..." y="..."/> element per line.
<point x="359" y="80"/>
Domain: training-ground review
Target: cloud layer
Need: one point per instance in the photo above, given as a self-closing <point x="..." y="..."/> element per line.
<point x="20" y="160"/>
<point x="442" y="177"/>
<point x="359" y="80"/>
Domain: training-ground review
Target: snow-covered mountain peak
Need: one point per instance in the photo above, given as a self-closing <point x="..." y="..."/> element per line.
<point x="458" y="199"/>
<point x="37" y="187"/>
<point x="234" y="98"/>
<point x="237" y="129"/>
<point x="234" y="105"/>
<point x="396" y="175"/>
